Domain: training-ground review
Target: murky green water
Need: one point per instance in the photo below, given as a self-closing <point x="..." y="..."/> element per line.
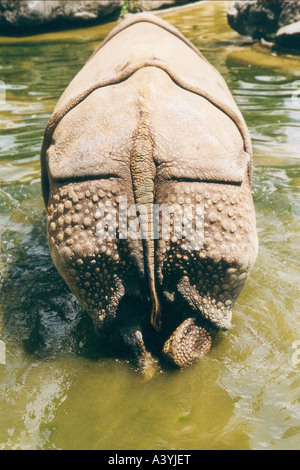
<point x="56" y="391"/>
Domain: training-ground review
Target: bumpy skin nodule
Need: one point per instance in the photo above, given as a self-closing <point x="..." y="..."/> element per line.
<point x="150" y="119"/>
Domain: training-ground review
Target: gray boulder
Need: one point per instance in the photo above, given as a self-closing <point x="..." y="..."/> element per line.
<point x="288" y="37"/>
<point x="19" y="14"/>
<point x="290" y="12"/>
<point x="260" y="18"/>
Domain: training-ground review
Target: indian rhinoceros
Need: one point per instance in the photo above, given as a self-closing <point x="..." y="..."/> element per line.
<point x="148" y="122"/>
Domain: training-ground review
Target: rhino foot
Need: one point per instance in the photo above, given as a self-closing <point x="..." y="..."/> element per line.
<point x="189" y="343"/>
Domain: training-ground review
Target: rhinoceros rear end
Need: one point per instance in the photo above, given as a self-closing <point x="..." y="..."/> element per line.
<point x="146" y="138"/>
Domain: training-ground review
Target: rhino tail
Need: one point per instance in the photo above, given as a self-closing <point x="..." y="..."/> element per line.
<point x="143" y="171"/>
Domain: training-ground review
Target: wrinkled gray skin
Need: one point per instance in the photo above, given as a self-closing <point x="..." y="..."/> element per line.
<point x="150" y="119"/>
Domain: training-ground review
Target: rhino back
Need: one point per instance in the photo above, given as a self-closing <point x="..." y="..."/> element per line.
<point x="147" y="41"/>
<point x="138" y="116"/>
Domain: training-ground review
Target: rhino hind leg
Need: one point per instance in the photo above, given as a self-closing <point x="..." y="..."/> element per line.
<point x="100" y="271"/>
